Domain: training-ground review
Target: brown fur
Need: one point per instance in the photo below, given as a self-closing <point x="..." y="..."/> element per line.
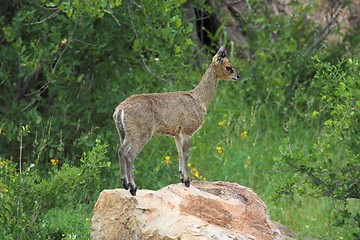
<point x="176" y="114"/>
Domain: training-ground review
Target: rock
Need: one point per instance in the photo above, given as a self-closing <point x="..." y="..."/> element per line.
<point x="328" y="15"/>
<point x="205" y="210"/>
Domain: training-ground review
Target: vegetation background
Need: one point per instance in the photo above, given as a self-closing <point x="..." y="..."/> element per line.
<point x="289" y="128"/>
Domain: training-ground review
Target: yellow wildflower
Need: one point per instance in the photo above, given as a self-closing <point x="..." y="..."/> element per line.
<point x="219" y="149"/>
<point x="54" y="161"/>
<point x="243" y="135"/>
<point x="167" y="160"/>
<point x="195" y="172"/>
<point x="247" y="163"/>
<point x="222" y="123"/>
<point x="5" y="190"/>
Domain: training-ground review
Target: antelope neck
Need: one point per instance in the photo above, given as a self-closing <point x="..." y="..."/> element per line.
<point x="205" y="90"/>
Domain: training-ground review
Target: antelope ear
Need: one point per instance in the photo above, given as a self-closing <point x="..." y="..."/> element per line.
<point x="220" y="55"/>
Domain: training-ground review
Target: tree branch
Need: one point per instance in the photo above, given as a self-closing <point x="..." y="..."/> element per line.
<point x="39" y="91"/>
<point x="45" y="19"/>
<point x="137" y="38"/>
<point x="327" y="29"/>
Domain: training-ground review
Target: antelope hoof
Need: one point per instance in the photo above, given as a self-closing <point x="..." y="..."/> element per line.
<point x="187" y="183"/>
<point x="125" y="184"/>
<point x="133" y="191"/>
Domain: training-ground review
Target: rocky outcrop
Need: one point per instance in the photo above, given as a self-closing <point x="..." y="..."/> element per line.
<point x="327" y="15"/>
<point x="205" y="210"/>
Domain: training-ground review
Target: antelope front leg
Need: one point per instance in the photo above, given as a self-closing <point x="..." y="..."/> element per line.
<point x="185" y="150"/>
<point x="182" y="145"/>
<point x="180" y="169"/>
<point x="179" y="146"/>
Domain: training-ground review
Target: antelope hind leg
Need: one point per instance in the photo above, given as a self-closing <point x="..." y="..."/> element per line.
<point x="131" y="183"/>
<point x="134" y="149"/>
<point x="123" y="150"/>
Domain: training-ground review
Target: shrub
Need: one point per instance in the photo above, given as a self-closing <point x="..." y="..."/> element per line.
<point x="332" y="167"/>
<point x="31" y="201"/>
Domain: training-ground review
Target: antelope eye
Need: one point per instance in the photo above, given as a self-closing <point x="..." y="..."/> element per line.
<point x="230" y="69"/>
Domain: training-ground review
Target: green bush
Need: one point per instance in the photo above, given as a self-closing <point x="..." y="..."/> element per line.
<point x="65" y="224"/>
<point x="32" y="201"/>
<point x="332" y="167"/>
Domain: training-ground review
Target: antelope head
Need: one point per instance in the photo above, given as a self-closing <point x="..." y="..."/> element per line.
<point x="222" y="66"/>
